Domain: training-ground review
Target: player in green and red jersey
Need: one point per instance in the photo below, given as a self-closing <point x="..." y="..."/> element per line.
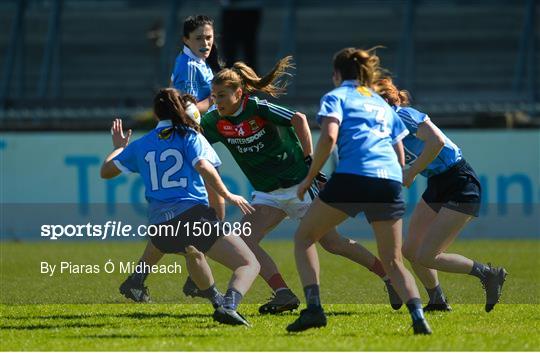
<point x="273" y="146"/>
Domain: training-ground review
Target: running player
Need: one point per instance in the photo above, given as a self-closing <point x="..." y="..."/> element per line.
<point x="173" y="160"/>
<point x="451" y="200"/>
<point x="367" y="179"/>
<point x="192" y="74"/>
<point x="272" y="145"/>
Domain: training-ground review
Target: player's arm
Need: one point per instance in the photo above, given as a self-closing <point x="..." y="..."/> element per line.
<point x="433" y="144"/>
<point x="120" y="141"/>
<point x="204" y="105"/>
<point x="400" y="153"/>
<point x="216" y="201"/>
<point x="327" y="141"/>
<point x="211" y="177"/>
<point x="301" y="128"/>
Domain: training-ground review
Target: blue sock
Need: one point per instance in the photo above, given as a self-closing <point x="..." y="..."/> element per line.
<point x="140" y="277"/>
<point x="415" y="309"/>
<point x="479" y="270"/>
<point x="232" y="299"/>
<point x="436" y="295"/>
<point x="213" y="294"/>
<point x="313" y="298"/>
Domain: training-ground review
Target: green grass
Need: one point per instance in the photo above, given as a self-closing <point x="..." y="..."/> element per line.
<point x="85" y="312"/>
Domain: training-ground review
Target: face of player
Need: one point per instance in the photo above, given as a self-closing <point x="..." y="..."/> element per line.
<point x="336" y="78"/>
<point x="200" y="41"/>
<point x="227" y="100"/>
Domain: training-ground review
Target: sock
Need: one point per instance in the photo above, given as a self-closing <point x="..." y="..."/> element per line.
<point x="415" y="309"/>
<point x="232" y="299"/>
<point x="213" y="294"/>
<point x="140" y="277"/>
<point x="276" y="282"/>
<point x="313" y="298"/>
<point x="377" y="268"/>
<point x="436" y="295"/>
<point x="479" y="270"/>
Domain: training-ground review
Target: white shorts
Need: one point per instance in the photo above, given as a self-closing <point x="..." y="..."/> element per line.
<point x="286" y="200"/>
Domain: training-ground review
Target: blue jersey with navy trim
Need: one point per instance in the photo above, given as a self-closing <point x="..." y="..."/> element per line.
<point x="368" y="130"/>
<point x="192" y="75"/>
<point x="167" y="167"/>
<point x="449" y="155"/>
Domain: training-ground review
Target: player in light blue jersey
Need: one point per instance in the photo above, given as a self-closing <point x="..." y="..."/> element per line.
<point x="451" y="200"/>
<point x="175" y="161"/>
<point x="367" y="179"/>
<point x="194" y="66"/>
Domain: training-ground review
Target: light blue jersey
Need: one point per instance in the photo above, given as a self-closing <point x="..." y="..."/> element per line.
<point x="449" y="155"/>
<point x="368" y="130"/>
<point x="166" y="165"/>
<point x="192" y="75"/>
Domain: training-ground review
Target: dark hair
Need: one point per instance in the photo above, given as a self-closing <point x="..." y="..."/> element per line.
<point x="241" y="75"/>
<point x="191" y="23"/>
<point x="358" y="64"/>
<point x="169" y="104"/>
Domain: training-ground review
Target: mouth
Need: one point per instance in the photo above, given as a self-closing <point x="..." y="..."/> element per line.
<point x="204" y="50"/>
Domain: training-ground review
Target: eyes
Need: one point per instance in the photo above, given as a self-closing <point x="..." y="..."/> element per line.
<point x="200" y="38"/>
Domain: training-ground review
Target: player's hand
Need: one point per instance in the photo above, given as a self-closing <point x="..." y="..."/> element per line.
<point x="117" y="132"/>
<point x="241" y="203"/>
<point x="408" y="177"/>
<point x="303" y="187"/>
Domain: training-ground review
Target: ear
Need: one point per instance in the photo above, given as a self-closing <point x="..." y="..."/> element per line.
<point x="238" y="93"/>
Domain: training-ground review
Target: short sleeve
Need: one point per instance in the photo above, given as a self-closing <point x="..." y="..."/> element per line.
<point x="275" y="113"/>
<point x="412" y="118"/>
<point x="126" y="161"/>
<point x="198" y="148"/>
<point x="185" y="78"/>
<point x="208" y="124"/>
<point x="398" y="130"/>
<point x="330" y="106"/>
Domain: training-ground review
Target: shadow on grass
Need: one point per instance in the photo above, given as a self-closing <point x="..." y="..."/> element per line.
<point x="47" y="327"/>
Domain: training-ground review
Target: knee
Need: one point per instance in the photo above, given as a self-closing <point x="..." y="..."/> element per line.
<point x="425" y="259"/>
<point x="409" y="252"/>
<point x="194" y="254"/>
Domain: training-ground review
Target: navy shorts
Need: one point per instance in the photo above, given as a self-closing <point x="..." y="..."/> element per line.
<point x="175" y="239"/>
<point x="379" y="199"/>
<point x="457" y="188"/>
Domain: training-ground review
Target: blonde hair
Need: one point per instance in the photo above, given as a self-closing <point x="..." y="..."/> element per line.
<point x="386" y="88"/>
<point x="241" y="75"/>
<point x="359" y="64"/>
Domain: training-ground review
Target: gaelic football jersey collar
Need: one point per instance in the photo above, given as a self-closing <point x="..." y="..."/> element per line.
<point x="352" y="83"/>
<point x="191" y="54"/>
<point x="163" y="124"/>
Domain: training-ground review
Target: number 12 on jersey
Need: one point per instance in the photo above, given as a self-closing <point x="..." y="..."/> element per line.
<point x="166" y="182"/>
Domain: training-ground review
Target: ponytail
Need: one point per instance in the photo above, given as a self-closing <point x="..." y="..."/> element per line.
<point x="386" y="88"/>
<point x="241" y="75"/>
<point x="358" y="64"/>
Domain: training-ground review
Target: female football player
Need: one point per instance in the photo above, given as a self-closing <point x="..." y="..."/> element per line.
<point x="194" y="66"/>
<point x="451" y="200"/>
<point x="367" y="179"/>
<point x="192" y="74"/>
<point x="272" y="145"/>
<point x="175" y="161"/>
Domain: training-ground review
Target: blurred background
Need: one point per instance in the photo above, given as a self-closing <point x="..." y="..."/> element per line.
<point x="69" y="66"/>
<point x="74" y="64"/>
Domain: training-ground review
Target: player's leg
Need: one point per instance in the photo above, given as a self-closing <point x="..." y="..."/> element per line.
<point x="421" y="220"/>
<point x="201" y="274"/>
<point x="388" y="235"/>
<point x="261" y="222"/>
<point x="133" y="287"/>
<point x="319" y="220"/>
<point x="217" y="203"/>
<point x="336" y="244"/>
<point x="232" y="252"/>
<point x="442" y="233"/>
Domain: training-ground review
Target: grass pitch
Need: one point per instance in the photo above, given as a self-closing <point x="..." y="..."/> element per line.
<point x="86" y="312"/>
